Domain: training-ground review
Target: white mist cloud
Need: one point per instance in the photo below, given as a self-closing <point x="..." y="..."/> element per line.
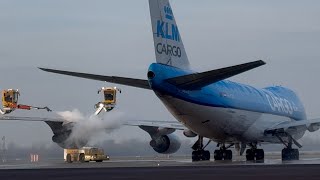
<point x="311" y="138"/>
<point x="88" y="126"/>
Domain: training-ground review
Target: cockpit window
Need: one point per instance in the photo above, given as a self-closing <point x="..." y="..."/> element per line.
<point x="7" y="98"/>
<point x="108" y="96"/>
<point x="15" y="99"/>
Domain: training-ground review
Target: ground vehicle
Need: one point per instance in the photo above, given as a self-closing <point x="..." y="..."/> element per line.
<point x="10" y="102"/>
<point x="85" y="154"/>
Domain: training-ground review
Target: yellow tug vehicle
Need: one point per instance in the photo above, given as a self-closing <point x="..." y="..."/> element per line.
<point x="109" y="99"/>
<point x="85" y="154"/>
<point x="10" y="102"/>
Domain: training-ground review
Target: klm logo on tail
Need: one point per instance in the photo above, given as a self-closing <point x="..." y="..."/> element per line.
<point x="168" y="12"/>
<point x="167" y="31"/>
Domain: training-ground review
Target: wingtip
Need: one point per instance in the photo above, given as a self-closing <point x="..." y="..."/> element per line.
<point x="262" y="62"/>
<point x="43" y="69"/>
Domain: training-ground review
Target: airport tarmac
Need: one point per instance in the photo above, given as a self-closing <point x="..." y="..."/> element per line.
<point x="306" y="158"/>
<point x="163" y="168"/>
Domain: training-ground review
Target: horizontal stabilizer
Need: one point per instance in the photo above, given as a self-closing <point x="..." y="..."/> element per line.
<point x="199" y="80"/>
<point x="139" y="83"/>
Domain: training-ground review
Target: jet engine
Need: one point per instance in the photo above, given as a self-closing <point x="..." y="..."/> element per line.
<point x="166" y="144"/>
<point x="162" y="139"/>
<point x="189" y="133"/>
<point x="62" y="135"/>
<point x="313" y="127"/>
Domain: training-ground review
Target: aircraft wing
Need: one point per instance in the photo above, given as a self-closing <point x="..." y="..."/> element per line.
<point x="289" y="128"/>
<point x="161" y="124"/>
<point x="149" y="123"/>
<point x="139" y="83"/>
<point x="35" y="119"/>
<point x="292" y="127"/>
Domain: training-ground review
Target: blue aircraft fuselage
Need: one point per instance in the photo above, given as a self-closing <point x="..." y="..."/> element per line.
<point x="274" y="100"/>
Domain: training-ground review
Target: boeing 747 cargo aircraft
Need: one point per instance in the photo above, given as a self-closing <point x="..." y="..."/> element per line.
<point x="206" y="105"/>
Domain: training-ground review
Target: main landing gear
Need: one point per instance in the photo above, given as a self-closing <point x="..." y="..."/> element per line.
<point x="223" y="153"/>
<point x="254" y="154"/>
<point x="199" y="154"/>
<point x="288" y="153"/>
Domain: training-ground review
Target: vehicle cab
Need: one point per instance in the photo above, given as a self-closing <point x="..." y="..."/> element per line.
<point x="9" y="100"/>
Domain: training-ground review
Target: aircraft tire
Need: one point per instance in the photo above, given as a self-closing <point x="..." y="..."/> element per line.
<point x="195" y="156"/>
<point x="218" y="156"/>
<point x="206" y="155"/>
<point x="259" y="155"/>
<point x="200" y="155"/>
<point x="227" y="155"/>
<point x="290" y="154"/>
<point x="250" y="155"/>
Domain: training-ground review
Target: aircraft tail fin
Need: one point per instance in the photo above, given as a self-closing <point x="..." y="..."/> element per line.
<point x="168" y="45"/>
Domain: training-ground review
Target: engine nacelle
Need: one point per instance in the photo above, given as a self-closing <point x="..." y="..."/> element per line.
<point x="189" y="133"/>
<point x="67" y="141"/>
<point x="166" y="144"/>
<point x="62" y="135"/>
<point x="313" y="128"/>
<point x="165" y="131"/>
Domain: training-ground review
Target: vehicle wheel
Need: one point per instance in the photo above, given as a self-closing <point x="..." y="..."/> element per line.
<point x="218" y="155"/>
<point x="227" y="155"/>
<point x="99" y="160"/>
<point x="81" y="158"/>
<point x="69" y="160"/>
<point x="249" y="155"/>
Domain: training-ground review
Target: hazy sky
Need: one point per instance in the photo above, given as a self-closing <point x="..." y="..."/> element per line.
<point x="115" y="38"/>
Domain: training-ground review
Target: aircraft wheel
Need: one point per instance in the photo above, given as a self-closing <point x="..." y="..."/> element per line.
<point x="195" y="156"/>
<point x="227" y="155"/>
<point x="250" y="155"/>
<point x="218" y="156"/>
<point x="259" y="155"/>
<point x="290" y="154"/>
<point x="200" y="155"/>
<point x="296" y="154"/>
<point x="206" y="155"/>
